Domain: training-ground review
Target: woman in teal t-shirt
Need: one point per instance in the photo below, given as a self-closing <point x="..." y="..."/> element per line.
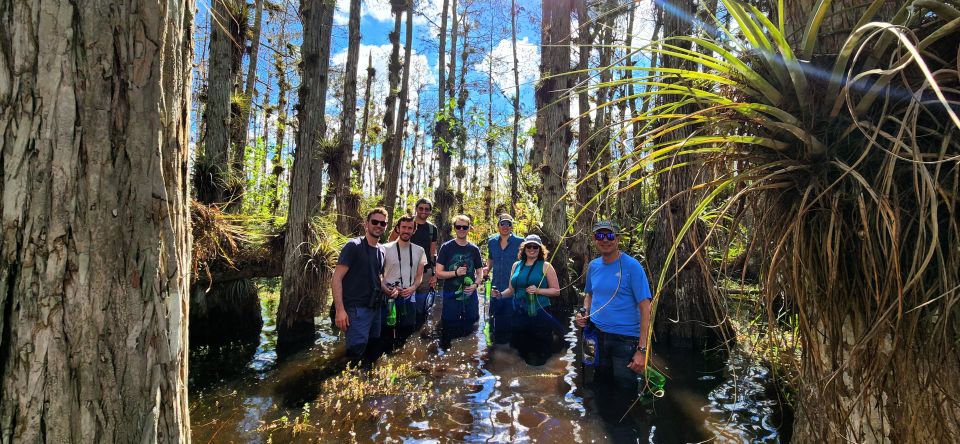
<point x="533" y="281"/>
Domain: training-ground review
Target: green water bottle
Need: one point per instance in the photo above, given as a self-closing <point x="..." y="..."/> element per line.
<point x="655" y="381"/>
<point x="391" y="312"/>
<point x="467" y="281"/>
<point x="489" y="286"/>
<point x="531" y="304"/>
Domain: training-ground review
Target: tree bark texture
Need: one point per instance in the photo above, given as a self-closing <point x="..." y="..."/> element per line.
<point x="361" y="153"/>
<point x="553" y="136"/>
<point x="343" y="155"/>
<point x="514" y="151"/>
<point x="687" y="311"/>
<point x="95" y="242"/>
<point x="443" y="195"/>
<point x="249" y="92"/>
<point x="586" y="184"/>
<point x="283" y="88"/>
<point x="396" y="160"/>
<point x="315" y="95"/>
<point x="218" y="115"/>
<point x="300" y="292"/>
<point x="892" y="380"/>
<point x="390" y="150"/>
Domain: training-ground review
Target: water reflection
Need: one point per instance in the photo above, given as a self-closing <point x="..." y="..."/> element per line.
<point x="474" y="391"/>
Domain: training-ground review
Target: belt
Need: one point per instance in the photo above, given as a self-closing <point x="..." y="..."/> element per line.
<point x="618" y="337"/>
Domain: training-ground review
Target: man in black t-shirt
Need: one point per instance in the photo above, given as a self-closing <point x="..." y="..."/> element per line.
<point x="427" y="237"/>
<point x="460" y="264"/>
<point x="356" y="286"/>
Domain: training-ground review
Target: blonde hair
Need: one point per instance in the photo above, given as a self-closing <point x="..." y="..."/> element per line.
<point x="462" y="218"/>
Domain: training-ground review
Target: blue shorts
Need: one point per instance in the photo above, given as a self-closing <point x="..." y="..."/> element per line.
<point x="364" y="327"/>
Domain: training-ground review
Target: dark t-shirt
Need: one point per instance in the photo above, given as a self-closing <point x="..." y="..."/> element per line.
<point x="425" y="234"/>
<point x="453" y="255"/>
<point x="366" y="266"/>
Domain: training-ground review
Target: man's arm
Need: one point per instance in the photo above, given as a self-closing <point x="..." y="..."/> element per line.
<point x="341" y="320"/>
<point x="581" y="319"/>
<point x="639" y="362"/>
<point x="644" y="322"/>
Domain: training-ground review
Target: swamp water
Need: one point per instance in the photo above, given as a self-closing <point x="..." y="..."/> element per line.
<point x="469" y="392"/>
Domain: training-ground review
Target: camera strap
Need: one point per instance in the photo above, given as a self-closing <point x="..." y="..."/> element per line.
<point x="403" y="284"/>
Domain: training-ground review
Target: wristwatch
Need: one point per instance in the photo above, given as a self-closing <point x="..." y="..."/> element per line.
<point x="641" y="349"/>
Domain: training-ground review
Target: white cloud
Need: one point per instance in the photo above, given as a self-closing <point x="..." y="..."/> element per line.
<point x="421" y="73"/>
<point x="379" y="10"/>
<point x="528" y="57"/>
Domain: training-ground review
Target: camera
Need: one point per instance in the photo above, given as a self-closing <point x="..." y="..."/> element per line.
<point x="376" y="297"/>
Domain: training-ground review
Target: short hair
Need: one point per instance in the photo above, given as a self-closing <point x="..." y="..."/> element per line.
<point x="378" y="210"/>
<point x="424" y="200"/>
<point x="406" y="218"/>
<point x="521" y="256"/>
<point x="462" y="218"/>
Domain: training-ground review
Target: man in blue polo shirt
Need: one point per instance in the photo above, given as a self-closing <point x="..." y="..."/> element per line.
<point x="502" y="251"/>
<point x="617" y="304"/>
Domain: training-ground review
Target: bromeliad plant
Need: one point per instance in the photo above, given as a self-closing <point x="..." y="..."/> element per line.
<point x="847" y="159"/>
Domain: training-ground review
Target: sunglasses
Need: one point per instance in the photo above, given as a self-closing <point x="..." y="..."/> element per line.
<point x="462" y="227"/>
<point x="381" y="223"/>
<point x="532" y="247"/>
<point x="602" y="236"/>
<point x="423" y="209"/>
<point x="506" y="223"/>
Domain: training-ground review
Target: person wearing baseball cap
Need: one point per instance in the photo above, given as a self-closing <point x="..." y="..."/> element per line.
<point x="502" y="251"/>
<point x="617" y="307"/>
<point x="533" y="282"/>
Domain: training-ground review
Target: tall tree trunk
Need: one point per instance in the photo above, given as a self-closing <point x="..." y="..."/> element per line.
<point x="443" y="196"/>
<point x="602" y="139"/>
<point x="213" y="177"/>
<point x="868" y="380"/>
<point x="240" y="144"/>
<point x="362" y="154"/>
<point x="389" y="149"/>
<point x="460" y="137"/>
<point x="633" y="198"/>
<point x="393" y="167"/>
<point x="343" y="155"/>
<point x="282" y="121"/>
<point x="587" y="185"/>
<point x="265" y="186"/>
<point x="300" y="293"/>
<point x="553" y="136"/>
<point x="95" y="247"/>
<point x="514" y="150"/>
<point x="686" y="307"/>
<point x="488" y="189"/>
<point x="317" y="111"/>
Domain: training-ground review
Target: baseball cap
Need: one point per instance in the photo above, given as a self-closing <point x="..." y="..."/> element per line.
<point x="606" y="225"/>
<point x="532" y="239"/>
<point x="504" y="217"/>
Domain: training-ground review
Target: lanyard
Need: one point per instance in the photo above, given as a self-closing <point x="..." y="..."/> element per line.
<point x="400" y="261"/>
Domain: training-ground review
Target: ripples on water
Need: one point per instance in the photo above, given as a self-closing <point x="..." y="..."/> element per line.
<point x="479" y="392"/>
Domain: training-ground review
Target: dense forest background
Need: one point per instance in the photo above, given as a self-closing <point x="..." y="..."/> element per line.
<point x="787" y="171"/>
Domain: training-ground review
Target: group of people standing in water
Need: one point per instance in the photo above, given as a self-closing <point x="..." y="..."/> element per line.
<point x="382" y="293"/>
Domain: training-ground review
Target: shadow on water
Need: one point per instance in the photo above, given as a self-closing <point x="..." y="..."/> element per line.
<point x="477" y="392"/>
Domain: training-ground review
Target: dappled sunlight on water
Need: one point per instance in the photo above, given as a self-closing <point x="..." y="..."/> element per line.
<point x="473" y="391"/>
